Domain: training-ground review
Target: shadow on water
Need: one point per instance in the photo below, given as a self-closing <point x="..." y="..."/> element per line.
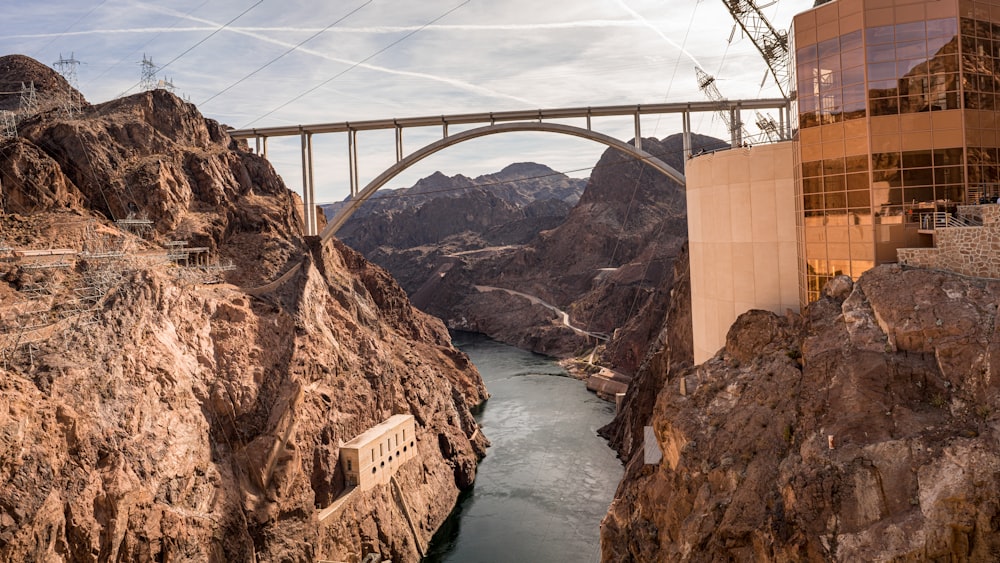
<point x="446" y="538"/>
<point x="547" y="480"/>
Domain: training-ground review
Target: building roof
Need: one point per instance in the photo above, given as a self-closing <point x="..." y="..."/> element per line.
<point x="376" y="432"/>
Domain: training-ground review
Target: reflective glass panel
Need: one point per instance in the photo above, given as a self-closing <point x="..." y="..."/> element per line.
<point x="857" y="182"/>
<point x="879" y="35"/>
<point x="911" y="50"/>
<point x="850" y="41"/>
<point x="858" y="163"/>
<point x="882" y="71"/>
<point x="855" y="75"/>
<point x="805" y="54"/>
<point x="910" y="31"/>
<point x="858" y="199"/>
<point x="916" y="159"/>
<point x="834" y="183"/>
<point x="828" y="48"/>
<point x="833" y="166"/>
<point x="946" y="27"/>
<point x="880" y="53"/>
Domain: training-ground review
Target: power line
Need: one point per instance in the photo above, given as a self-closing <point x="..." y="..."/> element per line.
<point x="206" y="38"/>
<point x="272" y="61"/>
<point x="143" y="46"/>
<point x="624" y="159"/>
<point x="72" y="25"/>
<point x="357" y="64"/>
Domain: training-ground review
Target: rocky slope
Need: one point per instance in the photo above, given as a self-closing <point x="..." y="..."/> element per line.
<point x="51" y="90"/>
<point x="865" y="429"/>
<point x="146" y="415"/>
<point x="409" y="231"/>
<point x="669" y="353"/>
<point x="608" y="265"/>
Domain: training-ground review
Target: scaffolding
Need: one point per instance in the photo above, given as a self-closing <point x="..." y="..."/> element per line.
<point x="8" y="124"/>
<point x="29" y="99"/>
<point x="51" y="304"/>
<point x="140" y="227"/>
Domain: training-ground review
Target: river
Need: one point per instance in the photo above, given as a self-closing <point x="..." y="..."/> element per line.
<point x="547" y="479"/>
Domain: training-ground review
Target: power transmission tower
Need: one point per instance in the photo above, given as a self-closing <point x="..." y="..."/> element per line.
<point x="67" y="68"/>
<point x="772" y="43"/>
<point x="706" y="82"/>
<point x="29" y="99"/>
<point x="166" y="84"/>
<point x="148" y="80"/>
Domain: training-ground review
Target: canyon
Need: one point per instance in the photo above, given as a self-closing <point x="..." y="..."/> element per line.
<point x="180" y="365"/>
<point x="157" y="410"/>
<point x="606" y="264"/>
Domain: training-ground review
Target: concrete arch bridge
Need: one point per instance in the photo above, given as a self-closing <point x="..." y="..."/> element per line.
<point x="492" y="123"/>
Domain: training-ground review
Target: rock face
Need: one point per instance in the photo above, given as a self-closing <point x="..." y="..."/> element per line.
<point x="410" y="231"/>
<point x="609" y="265"/>
<point x="864" y="430"/>
<point x="671" y="352"/>
<point x="147" y="416"/>
<point x="51" y="90"/>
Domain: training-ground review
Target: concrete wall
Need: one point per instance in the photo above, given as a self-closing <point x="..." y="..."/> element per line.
<point x="972" y="251"/>
<point x="741" y="228"/>
<point x="373" y="457"/>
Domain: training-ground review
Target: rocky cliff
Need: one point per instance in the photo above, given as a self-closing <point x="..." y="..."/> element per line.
<point x="608" y="266"/>
<point x="156" y="411"/>
<point x="410" y="231"/>
<point x="864" y="430"/>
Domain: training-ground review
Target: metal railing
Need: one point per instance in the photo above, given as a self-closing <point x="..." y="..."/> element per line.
<point x="942" y="219"/>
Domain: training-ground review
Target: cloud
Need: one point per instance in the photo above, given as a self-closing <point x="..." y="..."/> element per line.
<point x="642" y="19"/>
<point x="454" y="82"/>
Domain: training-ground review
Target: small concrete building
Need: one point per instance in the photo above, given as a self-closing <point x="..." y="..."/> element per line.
<point x="372" y="457"/>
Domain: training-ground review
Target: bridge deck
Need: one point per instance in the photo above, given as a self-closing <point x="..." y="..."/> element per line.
<point x="518" y="115"/>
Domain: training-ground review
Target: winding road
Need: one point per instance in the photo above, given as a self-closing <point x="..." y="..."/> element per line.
<point x="537" y="301"/>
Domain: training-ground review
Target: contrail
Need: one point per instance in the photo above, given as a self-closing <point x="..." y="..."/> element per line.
<point x="582" y="24"/>
<point x="109" y="31"/>
<point x="639" y="17"/>
<point x="442" y="79"/>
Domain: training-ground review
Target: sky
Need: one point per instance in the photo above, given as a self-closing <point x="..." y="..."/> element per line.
<point x="259" y="63"/>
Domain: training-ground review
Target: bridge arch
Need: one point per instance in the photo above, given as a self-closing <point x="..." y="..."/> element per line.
<point x="385" y="177"/>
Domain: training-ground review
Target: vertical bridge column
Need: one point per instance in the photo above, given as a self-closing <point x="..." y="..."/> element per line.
<point x="313" y="226"/>
<point x="638" y="131"/>
<point x="736" y="135"/>
<point x="399" y="142"/>
<point x="686" y="126"/>
<point x="352" y="157"/>
<point x="308" y="193"/>
<point x="261" y="145"/>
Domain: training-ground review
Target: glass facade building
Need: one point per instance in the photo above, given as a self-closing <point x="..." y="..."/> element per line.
<point x="896" y="104"/>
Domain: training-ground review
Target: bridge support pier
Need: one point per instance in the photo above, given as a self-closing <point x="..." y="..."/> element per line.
<point x="686" y="127"/>
<point x="352" y="157"/>
<point x="399" y="143"/>
<point x="736" y="135"/>
<point x="638" y="133"/>
<point x="260" y="145"/>
<point x="308" y="190"/>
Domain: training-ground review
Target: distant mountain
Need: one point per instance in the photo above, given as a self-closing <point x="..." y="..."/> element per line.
<point x="508" y="207"/>
<point x="608" y="265"/>
<point x="607" y="262"/>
